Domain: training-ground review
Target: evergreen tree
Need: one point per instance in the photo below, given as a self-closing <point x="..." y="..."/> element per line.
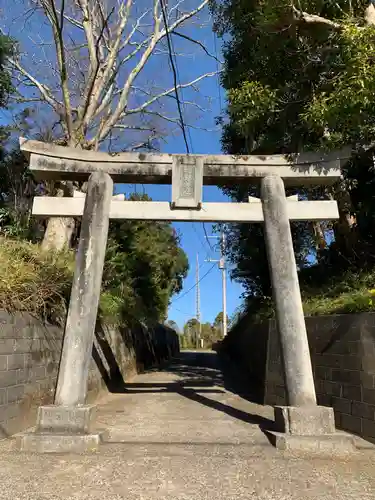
<point x="300" y="76"/>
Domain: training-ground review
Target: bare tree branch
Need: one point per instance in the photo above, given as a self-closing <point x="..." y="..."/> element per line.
<point x="174" y="120"/>
<point x="121" y="126"/>
<point x="169" y="92"/>
<point x="92" y="94"/>
<point x="127" y="40"/>
<point x="190" y="103"/>
<point x="113" y="119"/>
<point x="57" y="25"/>
<point x="157" y="36"/>
<point x="102" y="80"/>
<point x="300" y="15"/>
<point x="45" y="92"/>
<point x="99" y="57"/>
<point x="197" y="42"/>
<point x="87" y="74"/>
<point x="186" y="16"/>
<point x="71" y="20"/>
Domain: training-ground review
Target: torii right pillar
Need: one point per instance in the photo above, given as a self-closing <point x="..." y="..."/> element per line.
<point x="302" y="425"/>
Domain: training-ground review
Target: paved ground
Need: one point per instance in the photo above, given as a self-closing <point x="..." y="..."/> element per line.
<point x="181" y="434"/>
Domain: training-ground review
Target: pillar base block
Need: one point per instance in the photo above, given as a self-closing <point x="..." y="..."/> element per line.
<point x="304" y="420"/>
<point x="62" y="429"/>
<point x="324" y="445"/>
<point x="37" y="442"/>
<point x="309" y="430"/>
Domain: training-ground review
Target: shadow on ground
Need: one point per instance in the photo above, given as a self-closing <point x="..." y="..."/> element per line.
<point x="201" y="374"/>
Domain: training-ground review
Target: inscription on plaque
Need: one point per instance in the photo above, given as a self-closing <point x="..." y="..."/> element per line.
<point x="187" y="182"/>
<point x="62" y="419"/>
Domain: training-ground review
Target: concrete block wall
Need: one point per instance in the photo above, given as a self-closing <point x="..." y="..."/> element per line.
<point x="246" y="344"/>
<point x="30" y="354"/>
<point x="342" y="351"/>
<point x="29" y="357"/>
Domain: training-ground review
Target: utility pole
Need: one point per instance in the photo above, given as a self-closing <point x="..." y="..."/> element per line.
<point x="222" y="266"/>
<point x="224" y="280"/>
<point x="198" y="306"/>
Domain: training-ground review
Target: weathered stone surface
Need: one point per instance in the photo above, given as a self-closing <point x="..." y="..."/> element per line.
<point x="187" y="181"/>
<point x="15" y="361"/>
<point x="3" y="362"/>
<point x="363" y="410"/>
<point x="351" y="423"/>
<point x="80" y="324"/>
<point x="48" y="206"/>
<point x="35" y="442"/>
<point x="287" y="296"/>
<point x="305" y="421"/>
<point x="8" y="378"/>
<point x="3" y="396"/>
<point x="330" y="445"/>
<point x="49" y="161"/>
<point x="65" y="419"/>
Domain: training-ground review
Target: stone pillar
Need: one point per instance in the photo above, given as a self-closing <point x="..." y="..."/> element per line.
<point x="84" y="300"/>
<point x="66" y="426"/>
<point x="303" y="426"/>
<point x="287" y="296"/>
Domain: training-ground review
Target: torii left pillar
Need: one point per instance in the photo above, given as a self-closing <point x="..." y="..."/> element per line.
<point x="66" y="425"/>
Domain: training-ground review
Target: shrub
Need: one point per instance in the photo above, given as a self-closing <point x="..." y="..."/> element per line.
<point x="34" y="281"/>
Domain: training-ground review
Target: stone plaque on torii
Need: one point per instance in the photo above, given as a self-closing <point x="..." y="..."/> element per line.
<point x="187" y="174"/>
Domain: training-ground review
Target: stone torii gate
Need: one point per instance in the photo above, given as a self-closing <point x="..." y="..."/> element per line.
<point x="66" y="425"/>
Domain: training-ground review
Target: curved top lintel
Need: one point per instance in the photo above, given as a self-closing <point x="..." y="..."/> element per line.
<point x="49" y="161"/>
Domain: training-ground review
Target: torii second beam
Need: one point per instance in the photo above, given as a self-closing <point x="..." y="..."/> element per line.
<point x="45" y="206"/>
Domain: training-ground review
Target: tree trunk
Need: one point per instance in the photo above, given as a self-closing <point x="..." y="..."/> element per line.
<point x="59" y="230"/>
<point x="320" y="239"/>
<point x="59" y="233"/>
<point x="343" y="230"/>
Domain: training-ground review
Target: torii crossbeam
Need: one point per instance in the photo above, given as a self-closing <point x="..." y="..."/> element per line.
<point x="49" y="162"/>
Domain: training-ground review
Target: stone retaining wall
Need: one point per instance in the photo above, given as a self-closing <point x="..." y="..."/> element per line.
<point x="30" y="353"/>
<point x="343" y="356"/>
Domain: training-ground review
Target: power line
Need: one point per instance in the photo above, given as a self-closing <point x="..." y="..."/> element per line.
<point x="188" y="129"/>
<point x="202" y="242"/>
<point x="208" y="241"/>
<point x="182" y="92"/>
<point x="183" y="312"/>
<point x="172" y="54"/>
<point x="174" y="71"/>
<point x="182" y="95"/>
<point x="217" y="76"/>
<point x="174" y="68"/>
<point x="192" y="288"/>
